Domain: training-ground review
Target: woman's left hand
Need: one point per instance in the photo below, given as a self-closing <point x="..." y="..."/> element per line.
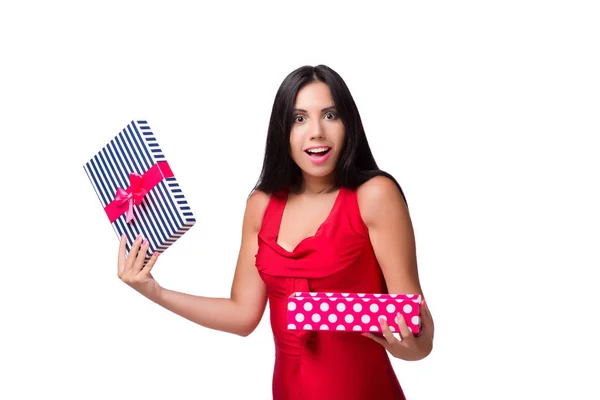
<point x="409" y="347"/>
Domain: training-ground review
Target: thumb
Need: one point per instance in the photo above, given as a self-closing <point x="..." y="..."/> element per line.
<point x="382" y="341"/>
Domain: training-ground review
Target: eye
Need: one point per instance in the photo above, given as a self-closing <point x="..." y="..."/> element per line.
<point x="330" y="115"/>
<point x="299" y="118"/>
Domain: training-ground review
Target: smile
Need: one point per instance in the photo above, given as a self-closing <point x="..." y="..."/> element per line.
<point x="318" y="155"/>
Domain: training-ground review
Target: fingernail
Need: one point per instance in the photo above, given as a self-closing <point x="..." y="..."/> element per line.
<point x="138" y="237"/>
<point x="144" y="242"/>
<point x="155" y="254"/>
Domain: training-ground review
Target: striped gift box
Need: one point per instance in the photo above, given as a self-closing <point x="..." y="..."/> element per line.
<point x="138" y="190"/>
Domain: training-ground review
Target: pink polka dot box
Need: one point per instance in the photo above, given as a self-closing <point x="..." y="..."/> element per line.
<point x="358" y="312"/>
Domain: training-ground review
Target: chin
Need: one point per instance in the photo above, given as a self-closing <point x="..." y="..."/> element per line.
<point x="317" y="172"/>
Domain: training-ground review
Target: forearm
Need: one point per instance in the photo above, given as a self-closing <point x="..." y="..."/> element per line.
<point x="222" y="314"/>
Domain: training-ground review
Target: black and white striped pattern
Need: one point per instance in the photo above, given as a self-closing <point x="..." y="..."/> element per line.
<point x="164" y="215"/>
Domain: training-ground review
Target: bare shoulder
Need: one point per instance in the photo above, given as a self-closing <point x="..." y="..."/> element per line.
<point x="386" y="216"/>
<point x="256" y="206"/>
<point x="378" y="197"/>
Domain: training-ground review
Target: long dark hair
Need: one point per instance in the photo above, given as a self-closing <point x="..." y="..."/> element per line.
<point x="356" y="164"/>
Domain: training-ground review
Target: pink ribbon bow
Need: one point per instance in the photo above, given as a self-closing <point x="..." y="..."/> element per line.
<point x="139" y="185"/>
<point x="133" y="195"/>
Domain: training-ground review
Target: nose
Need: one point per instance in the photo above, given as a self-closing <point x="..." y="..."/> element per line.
<point x="316" y="131"/>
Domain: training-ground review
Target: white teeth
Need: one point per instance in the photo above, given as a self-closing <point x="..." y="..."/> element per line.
<point x="318" y="150"/>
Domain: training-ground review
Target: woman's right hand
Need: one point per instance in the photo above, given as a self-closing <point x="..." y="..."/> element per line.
<point x="133" y="272"/>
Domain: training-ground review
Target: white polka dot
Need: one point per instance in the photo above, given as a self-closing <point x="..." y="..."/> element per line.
<point x="299" y="317"/>
<point x="308" y="327"/>
<point x="357" y="328"/>
<point x="324" y="306"/>
<point x="374" y="308"/>
<point x="316" y="317"/>
<point x="291" y="326"/>
<point x="308" y="306"/>
<point x="407" y="308"/>
<point x="361" y="295"/>
<point x="341" y="328"/>
<point x="357" y="307"/>
<point x="374" y="328"/>
<point x="383" y="300"/>
<point x="341" y="307"/>
<point x="349" y="299"/>
<point x="332" y="318"/>
<point x="377" y="295"/>
<point x="345" y="294"/>
<point x="329" y="294"/>
<point x="349" y="318"/>
<point x="410" y="296"/>
<point x="393" y="296"/>
<point x="416" y="320"/>
<point x="291" y="306"/>
<point x="324" y="327"/>
<point x="365" y="319"/>
<point x="313" y="294"/>
<point x="366" y="299"/>
<point x="390" y="308"/>
<point x="417" y="301"/>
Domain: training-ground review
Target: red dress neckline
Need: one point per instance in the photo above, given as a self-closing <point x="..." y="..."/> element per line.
<point x="298" y="246"/>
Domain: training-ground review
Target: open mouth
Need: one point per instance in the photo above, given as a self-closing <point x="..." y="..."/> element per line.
<point x="318" y="151"/>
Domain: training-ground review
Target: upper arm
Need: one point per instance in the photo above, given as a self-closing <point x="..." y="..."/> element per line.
<point x="248" y="289"/>
<point x="391" y="233"/>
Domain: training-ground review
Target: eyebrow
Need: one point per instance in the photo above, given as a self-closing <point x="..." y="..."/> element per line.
<point x="325" y="109"/>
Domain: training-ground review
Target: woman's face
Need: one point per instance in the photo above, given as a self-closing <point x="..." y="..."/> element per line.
<point x="317" y="134"/>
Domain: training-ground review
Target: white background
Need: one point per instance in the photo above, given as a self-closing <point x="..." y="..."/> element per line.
<point x="486" y="112"/>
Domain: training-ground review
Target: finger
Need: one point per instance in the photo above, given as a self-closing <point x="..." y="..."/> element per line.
<point x="426" y="319"/>
<point x="382" y="341"/>
<point x="141" y="256"/>
<point x="151" y="262"/>
<point x="404" y="331"/>
<point x="387" y="332"/>
<point x="133" y="251"/>
<point x="425" y="314"/>
<point x="121" y="255"/>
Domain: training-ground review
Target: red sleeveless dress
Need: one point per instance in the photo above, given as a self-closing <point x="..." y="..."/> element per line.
<point x="324" y="365"/>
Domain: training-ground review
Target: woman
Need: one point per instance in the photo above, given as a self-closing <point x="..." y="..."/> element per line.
<point x="322" y="218"/>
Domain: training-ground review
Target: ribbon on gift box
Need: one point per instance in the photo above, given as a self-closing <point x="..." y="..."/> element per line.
<point x="139" y="185"/>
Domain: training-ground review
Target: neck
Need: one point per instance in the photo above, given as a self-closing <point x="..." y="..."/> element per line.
<point x="317" y="185"/>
